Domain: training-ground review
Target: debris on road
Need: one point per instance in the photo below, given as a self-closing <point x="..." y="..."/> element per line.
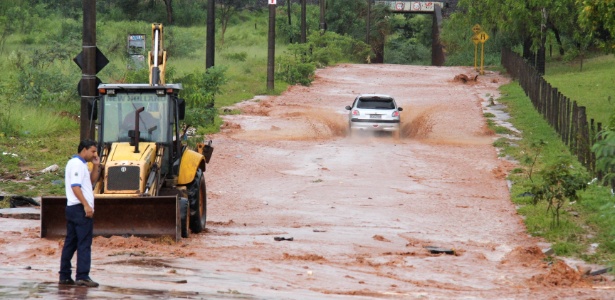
<point x="440" y="250"/>
<point x="601" y="271"/>
<point x="548" y="251"/>
<point x="21" y="201"/>
<point x="281" y="238"/>
<point x="465" y="78"/>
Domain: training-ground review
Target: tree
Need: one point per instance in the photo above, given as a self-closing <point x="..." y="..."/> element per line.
<point x="605" y="151"/>
<point x="169" y="6"/>
<point x="560" y="183"/>
<point x="596" y="17"/>
<point x="524" y="21"/>
<point x="347" y="17"/>
<point x="129" y="7"/>
<point x="226" y="10"/>
<point x="380" y="31"/>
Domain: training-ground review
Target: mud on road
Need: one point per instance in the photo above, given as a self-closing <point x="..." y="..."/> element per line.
<point x="360" y="210"/>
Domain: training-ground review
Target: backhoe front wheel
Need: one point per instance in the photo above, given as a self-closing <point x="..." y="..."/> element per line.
<point x="184" y="216"/>
<point x="197" y="195"/>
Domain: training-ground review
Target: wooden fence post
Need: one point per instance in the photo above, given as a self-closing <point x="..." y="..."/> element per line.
<point x="557" y="110"/>
<point x="582" y="136"/>
<point x="568" y="134"/>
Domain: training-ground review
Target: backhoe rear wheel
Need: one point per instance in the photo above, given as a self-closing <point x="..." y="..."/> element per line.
<point x="197" y="194"/>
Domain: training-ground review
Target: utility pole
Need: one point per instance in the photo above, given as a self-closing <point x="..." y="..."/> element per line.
<point x="323" y="23"/>
<point x="211" y="34"/>
<point x="303" y="22"/>
<point x="271" y="48"/>
<point x="88" y="69"/>
<point x="290" y="23"/>
<point x="368" y="21"/>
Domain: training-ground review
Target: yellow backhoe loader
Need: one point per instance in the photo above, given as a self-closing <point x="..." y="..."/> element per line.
<point x="151" y="183"/>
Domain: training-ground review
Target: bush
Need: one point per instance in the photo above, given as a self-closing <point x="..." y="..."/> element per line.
<point x="402" y="51"/>
<point x="296" y="66"/>
<point x="200" y="89"/>
<point x="604" y="149"/>
<point x="39" y="78"/>
<point x="239" y="56"/>
<point x="330" y="48"/>
<point x="181" y="43"/>
<point x="299" y="63"/>
<point x="559" y="184"/>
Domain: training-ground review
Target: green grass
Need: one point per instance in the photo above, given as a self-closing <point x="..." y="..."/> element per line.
<point x="592" y="87"/>
<point x="41" y="135"/>
<point x="589" y="220"/>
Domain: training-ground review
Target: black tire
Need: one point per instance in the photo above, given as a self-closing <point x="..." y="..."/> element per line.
<point x="184" y="212"/>
<point x="197" y="194"/>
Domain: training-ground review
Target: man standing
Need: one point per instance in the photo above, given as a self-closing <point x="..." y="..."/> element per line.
<point x="79" y="214"/>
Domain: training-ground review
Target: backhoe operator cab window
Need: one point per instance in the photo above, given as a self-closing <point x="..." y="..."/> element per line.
<point x="119" y="116"/>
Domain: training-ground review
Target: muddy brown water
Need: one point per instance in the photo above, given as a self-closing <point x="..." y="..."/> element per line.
<point x="360" y="210"/>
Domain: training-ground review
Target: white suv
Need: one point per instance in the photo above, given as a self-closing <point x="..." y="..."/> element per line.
<point x="374" y="112"/>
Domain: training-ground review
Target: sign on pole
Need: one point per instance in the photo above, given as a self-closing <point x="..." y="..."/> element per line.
<point x="272" y="2"/>
<point x="483" y="37"/>
<point x="410" y="6"/>
<point x="476" y="28"/>
<point x="479" y="37"/>
<point x="475" y="40"/>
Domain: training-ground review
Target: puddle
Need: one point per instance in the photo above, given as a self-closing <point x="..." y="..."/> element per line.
<point x="18" y="289"/>
<point x="500" y="118"/>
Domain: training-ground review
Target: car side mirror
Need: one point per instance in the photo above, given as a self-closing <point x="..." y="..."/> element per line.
<point x="400" y="109"/>
<point x="348" y="107"/>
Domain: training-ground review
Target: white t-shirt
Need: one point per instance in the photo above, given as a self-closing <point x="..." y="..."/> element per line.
<point x="77" y="174"/>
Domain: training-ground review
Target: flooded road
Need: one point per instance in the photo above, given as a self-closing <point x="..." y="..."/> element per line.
<point x="297" y="209"/>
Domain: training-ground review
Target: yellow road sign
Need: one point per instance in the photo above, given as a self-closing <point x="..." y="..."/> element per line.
<point x="476" y="28"/>
<point x="475" y="39"/>
<point x="483" y="36"/>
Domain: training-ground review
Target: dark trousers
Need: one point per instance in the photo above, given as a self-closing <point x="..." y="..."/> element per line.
<point x="78" y="238"/>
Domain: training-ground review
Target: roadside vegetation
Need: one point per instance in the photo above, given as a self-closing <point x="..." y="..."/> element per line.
<point x="586" y="226"/>
<point x="39" y="119"/>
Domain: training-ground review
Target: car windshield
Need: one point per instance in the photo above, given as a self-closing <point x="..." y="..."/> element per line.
<point x="376" y="103"/>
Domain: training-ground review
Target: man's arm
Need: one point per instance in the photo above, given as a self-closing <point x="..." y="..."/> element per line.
<point x="95" y="170"/>
<point x="89" y="212"/>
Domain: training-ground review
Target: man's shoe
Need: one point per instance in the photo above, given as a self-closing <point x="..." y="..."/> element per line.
<point x="86" y="282"/>
<point x="68" y="281"/>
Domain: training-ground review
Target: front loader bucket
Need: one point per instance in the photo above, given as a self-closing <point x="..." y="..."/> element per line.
<point x="123" y="216"/>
